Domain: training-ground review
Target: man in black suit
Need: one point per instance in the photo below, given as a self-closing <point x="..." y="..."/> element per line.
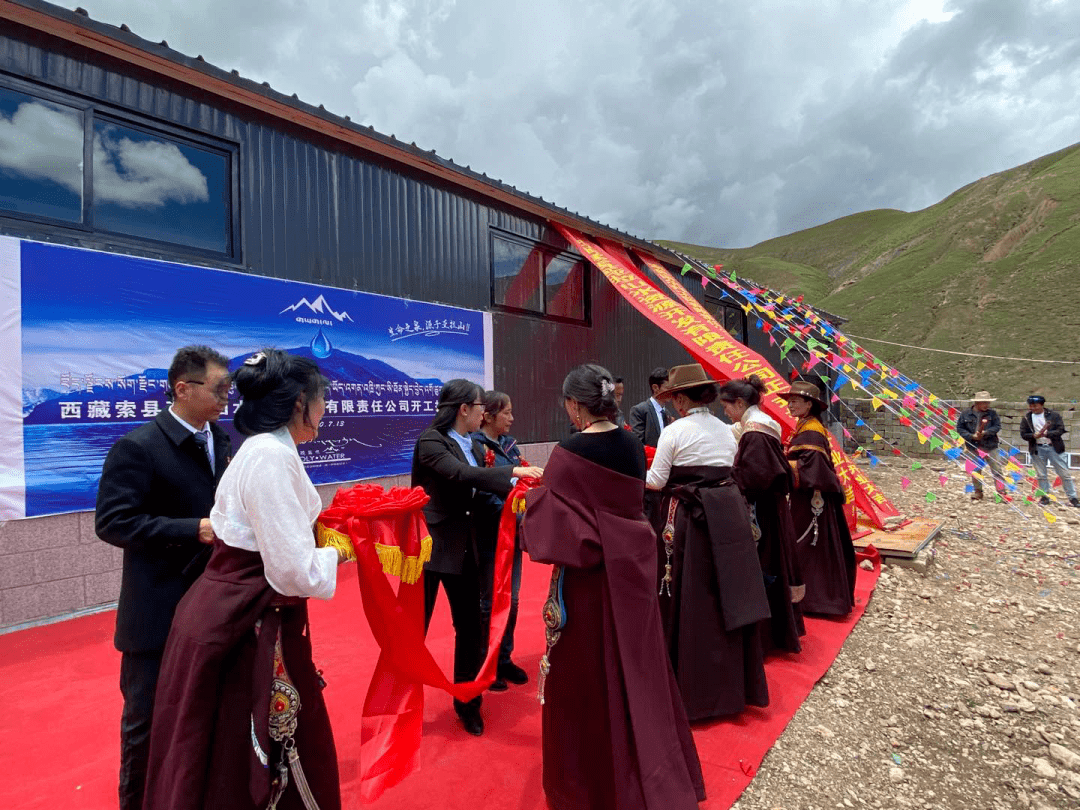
<point x="154" y="500"/>
<point x="648" y="418"/>
<point x="449" y="464"/>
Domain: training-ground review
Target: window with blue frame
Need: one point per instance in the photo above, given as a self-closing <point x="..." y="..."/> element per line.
<point x="146" y="182"/>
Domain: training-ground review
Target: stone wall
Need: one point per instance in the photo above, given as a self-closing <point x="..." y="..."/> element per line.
<point x="886" y="425"/>
<point x="54" y="567"/>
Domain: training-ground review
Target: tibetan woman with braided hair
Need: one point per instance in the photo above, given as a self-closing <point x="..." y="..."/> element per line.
<point x="239" y="719"/>
<point x="615" y="733"/>
<point x="763" y="474"/>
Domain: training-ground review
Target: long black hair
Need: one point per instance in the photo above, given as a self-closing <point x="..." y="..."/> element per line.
<point x="270" y="382"/>
<point x="749" y="389"/>
<point x="593" y="386"/>
<point x="453" y="395"/>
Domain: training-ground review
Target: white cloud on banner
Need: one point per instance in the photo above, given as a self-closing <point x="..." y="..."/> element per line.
<point x="705" y="120"/>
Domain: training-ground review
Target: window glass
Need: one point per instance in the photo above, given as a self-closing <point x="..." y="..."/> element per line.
<point x="519" y="276"/>
<point x="41" y="157"/>
<point x="735" y="323"/>
<point x="155" y="187"/>
<point x="566" y="289"/>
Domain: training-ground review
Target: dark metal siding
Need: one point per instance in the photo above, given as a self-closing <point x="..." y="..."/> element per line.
<point x="312" y="212"/>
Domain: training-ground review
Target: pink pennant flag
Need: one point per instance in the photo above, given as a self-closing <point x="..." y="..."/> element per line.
<point x="909" y="402"/>
<point x="969" y="466"/>
<point x="905" y="483"/>
<point x="704" y="281"/>
<point x="943" y="479"/>
<point x="927" y="431"/>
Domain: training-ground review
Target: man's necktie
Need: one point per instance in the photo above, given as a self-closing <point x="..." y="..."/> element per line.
<point x="201" y="440"/>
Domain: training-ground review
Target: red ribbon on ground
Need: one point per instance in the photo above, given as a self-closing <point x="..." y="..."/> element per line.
<point x="392" y="720"/>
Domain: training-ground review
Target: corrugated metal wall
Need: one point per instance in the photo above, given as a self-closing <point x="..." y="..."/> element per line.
<point x="344" y="219"/>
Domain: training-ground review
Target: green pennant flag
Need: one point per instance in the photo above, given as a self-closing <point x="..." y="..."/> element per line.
<point x="916" y="465"/>
<point x="734" y="280"/>
<point x="686" y="268"/>
<point x="936" y="443"/>
<point x="930" y="497"/>
<point x="905" y="412"/>
<point x="998" y="498"/>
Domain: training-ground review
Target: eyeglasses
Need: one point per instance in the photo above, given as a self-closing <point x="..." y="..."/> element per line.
<point x="221" y="391"/>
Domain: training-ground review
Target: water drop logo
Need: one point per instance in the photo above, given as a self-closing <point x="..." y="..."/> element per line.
<point x="320" y="346"/>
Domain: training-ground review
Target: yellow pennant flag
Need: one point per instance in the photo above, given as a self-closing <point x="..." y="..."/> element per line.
<point x="860" y="365"/>
<point x="922" y="439"/>
<point x="877" y="438"/>
<point x="877" y="403"/>
<point x="1049" y="518"/>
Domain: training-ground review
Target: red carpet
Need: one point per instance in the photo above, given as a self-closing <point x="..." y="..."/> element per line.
<point x="61" y="717"/>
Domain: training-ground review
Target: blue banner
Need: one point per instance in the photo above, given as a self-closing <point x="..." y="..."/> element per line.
<point x="99" y="330"/>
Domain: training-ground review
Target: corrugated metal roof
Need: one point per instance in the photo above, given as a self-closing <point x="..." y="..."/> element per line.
<point x="36" y="14"/>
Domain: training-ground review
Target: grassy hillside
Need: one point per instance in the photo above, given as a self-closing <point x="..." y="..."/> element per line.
<point x="992" y="269"/>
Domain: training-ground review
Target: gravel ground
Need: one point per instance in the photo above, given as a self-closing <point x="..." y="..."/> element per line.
<point x="960" y="687"/>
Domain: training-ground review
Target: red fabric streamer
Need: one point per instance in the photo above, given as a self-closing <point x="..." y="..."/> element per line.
<point x="393" y="713"/>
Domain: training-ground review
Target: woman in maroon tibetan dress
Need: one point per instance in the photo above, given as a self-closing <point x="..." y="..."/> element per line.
<point x="615" y="733"/>
<point x="764" y="476"/>
<point x="823" y="544"/>
<point x="239" y="718"/>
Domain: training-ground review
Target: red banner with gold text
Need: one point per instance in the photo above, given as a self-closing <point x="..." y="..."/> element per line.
<point x="720" y="354"/>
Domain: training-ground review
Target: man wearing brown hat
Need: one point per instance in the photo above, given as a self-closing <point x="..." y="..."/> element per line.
<point x="980" y="425"/>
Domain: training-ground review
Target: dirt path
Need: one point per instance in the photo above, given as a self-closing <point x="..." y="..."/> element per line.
<point x="960" y="688"/>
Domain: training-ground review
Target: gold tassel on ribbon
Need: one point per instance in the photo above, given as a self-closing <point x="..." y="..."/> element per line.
<point x="329" y="538"/>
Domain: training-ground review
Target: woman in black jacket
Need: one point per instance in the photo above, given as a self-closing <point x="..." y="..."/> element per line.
<point x="449" y="464"/>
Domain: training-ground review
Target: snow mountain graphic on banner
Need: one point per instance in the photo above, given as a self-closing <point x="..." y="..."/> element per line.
<point x="318" y="306"/>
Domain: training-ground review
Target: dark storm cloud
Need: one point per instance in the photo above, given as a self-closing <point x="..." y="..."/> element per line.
<point x="711" y="122"/>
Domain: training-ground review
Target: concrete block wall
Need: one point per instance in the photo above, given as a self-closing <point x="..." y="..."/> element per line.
<point x="55" y="566"/>
<point x="886" y="425"/>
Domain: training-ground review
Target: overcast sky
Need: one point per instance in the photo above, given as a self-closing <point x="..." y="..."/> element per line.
<point x="707" y="121"/>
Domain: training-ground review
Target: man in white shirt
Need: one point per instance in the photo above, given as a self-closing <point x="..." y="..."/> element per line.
<point x="154" y="501"/>
<point x="1043" y="429"/>
<point x="649" y="418"/>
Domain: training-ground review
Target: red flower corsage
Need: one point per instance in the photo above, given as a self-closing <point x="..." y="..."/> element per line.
<point x="489" y="458"/>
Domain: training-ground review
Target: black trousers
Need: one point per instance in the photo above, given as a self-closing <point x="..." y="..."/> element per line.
<point x="463" y="594"/>
<point x="138" y="682"/>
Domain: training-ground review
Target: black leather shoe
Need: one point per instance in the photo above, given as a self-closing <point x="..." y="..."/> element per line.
<point x="498" y="685"/>
<point x="472" y="721"/>
<point x="513" y="673"/>
<point x="1045" y="501"/>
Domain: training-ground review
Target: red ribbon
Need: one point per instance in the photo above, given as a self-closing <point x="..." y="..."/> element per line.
<point x="392" y="720"/>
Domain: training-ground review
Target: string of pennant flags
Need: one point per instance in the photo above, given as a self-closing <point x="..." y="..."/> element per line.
<point x="792" y="325"/>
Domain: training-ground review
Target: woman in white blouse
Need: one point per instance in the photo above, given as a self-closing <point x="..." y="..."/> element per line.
<point x="239" y="718"/>
<point x="711" y="590"/>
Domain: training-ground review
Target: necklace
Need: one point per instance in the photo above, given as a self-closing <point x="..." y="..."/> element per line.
<point x="586" y="425"/>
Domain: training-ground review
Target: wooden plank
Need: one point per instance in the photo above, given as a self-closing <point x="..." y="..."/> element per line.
<point x="904" y="542"/>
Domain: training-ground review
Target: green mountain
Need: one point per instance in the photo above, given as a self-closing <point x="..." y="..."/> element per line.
<point x="992" y="269"/>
